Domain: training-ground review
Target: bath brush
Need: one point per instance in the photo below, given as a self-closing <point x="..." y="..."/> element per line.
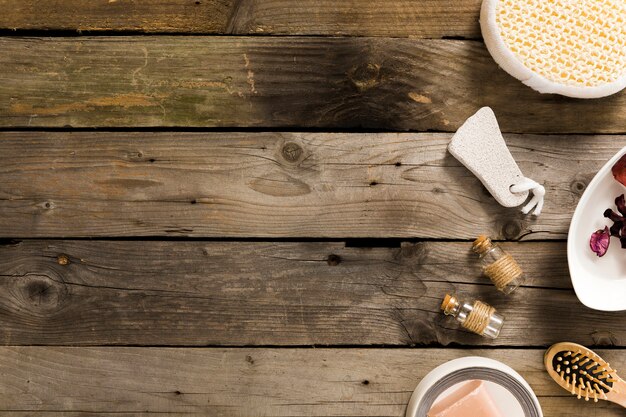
<point x="575" y="48"/>
<point x="583" y="373"/>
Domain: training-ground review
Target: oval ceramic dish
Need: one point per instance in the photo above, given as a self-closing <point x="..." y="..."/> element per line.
<point x="459" y="370"/>
<point x="599" y="282"/>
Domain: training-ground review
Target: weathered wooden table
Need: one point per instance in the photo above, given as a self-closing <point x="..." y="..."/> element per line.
<point x="261" y="218"/>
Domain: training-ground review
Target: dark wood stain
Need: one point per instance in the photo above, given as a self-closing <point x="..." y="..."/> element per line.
<point x="278" y="82"/>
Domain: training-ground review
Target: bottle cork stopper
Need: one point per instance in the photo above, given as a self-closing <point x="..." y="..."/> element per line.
<point x="449" y="303"/>
<point x="482" y="244"/>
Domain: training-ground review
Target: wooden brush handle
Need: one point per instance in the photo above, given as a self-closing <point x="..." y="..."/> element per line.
<point x="618" y="394"/>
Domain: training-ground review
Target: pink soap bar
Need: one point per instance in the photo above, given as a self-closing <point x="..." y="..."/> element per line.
<point x="470" y="400"/>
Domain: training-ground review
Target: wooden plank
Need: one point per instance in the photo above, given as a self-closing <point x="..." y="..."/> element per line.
<point x="241" y="382"/>
<point x="397" y="18"/>
<point x="286" y="82"/>
<point x="234" y="293"/>
<point x="55" y="184"/>
<point x="421" y="18"/>
<point x="161" y="16"/>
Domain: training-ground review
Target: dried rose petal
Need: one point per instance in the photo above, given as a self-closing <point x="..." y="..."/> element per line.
<point x="620" y="202"/>
<point x="619" y="170"/>
<point x="600" y="240"/>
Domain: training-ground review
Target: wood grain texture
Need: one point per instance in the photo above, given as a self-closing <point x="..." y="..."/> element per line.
<point x="234" y="294"/>
<point x="421" y="18"/>
<point x="396" y="18"/>
<point x="161" y="16"/>
<point x="269" y="82"/>
<point x="82" y="184"/>
<point x="241" y="382"/>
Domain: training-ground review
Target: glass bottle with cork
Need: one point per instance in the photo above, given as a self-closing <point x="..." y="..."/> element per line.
<point x="474" y="315"/>
<point x="498" y="265"/>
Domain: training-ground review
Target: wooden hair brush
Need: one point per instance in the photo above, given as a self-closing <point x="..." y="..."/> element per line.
<point x="583" y="373"/>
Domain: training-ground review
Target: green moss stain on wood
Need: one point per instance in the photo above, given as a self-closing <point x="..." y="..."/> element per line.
<point x="266" y="82"/>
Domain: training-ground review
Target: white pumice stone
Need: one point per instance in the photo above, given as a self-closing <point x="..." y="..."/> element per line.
<point x="479" y="145"/>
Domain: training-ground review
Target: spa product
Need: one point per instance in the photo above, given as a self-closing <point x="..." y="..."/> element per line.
<point x="619" y="170"/>
<point x="509" y="391"/>
<point x="469" y="400"/>
<point x="474" y="315"/>
<point x="583" y="373"/>
<point x="600" y="239"/>
<point x="498" y="265"/>
<point x="479" y="145"/>
<point x="575" y="48"/>
<point x="618" y="229"/>
<point x="599" y="282"/>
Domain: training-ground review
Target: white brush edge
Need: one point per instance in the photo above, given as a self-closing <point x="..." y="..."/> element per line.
<point x="509" y="62"/>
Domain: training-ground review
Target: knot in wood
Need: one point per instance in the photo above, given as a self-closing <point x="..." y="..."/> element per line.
<point x="292" y="151"/>
<point x="41" y="293"/>
<point x="333" y="260"/>
<point x="365" y="76"/>
<point x="605" y="337"/>
<point x="577" y="187"/>
<point x="511" y="229"/>
<point x="414" y="251"/>
<point x="63" y="260"/>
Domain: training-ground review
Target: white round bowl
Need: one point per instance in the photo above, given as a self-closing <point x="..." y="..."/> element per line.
<point x="469" y="368"/>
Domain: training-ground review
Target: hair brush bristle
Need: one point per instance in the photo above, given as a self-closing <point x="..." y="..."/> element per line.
<point x="582" y="372"/>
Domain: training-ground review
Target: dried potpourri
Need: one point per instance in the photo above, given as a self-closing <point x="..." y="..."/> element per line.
<point x="600" y="239"/>
<point x="619" y="170"/>
<point x="619" y="223"/>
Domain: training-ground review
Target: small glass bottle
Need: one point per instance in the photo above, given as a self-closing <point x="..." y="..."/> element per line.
<point x="498" y="265"/>
<point x="474" y="315"/>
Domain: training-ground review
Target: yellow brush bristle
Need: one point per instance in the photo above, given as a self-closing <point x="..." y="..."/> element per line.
<point x="580" y="43"/>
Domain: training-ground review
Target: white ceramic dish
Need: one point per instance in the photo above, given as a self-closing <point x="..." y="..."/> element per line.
<point x="442" y="378"/>
<point x="599" y="282"/>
